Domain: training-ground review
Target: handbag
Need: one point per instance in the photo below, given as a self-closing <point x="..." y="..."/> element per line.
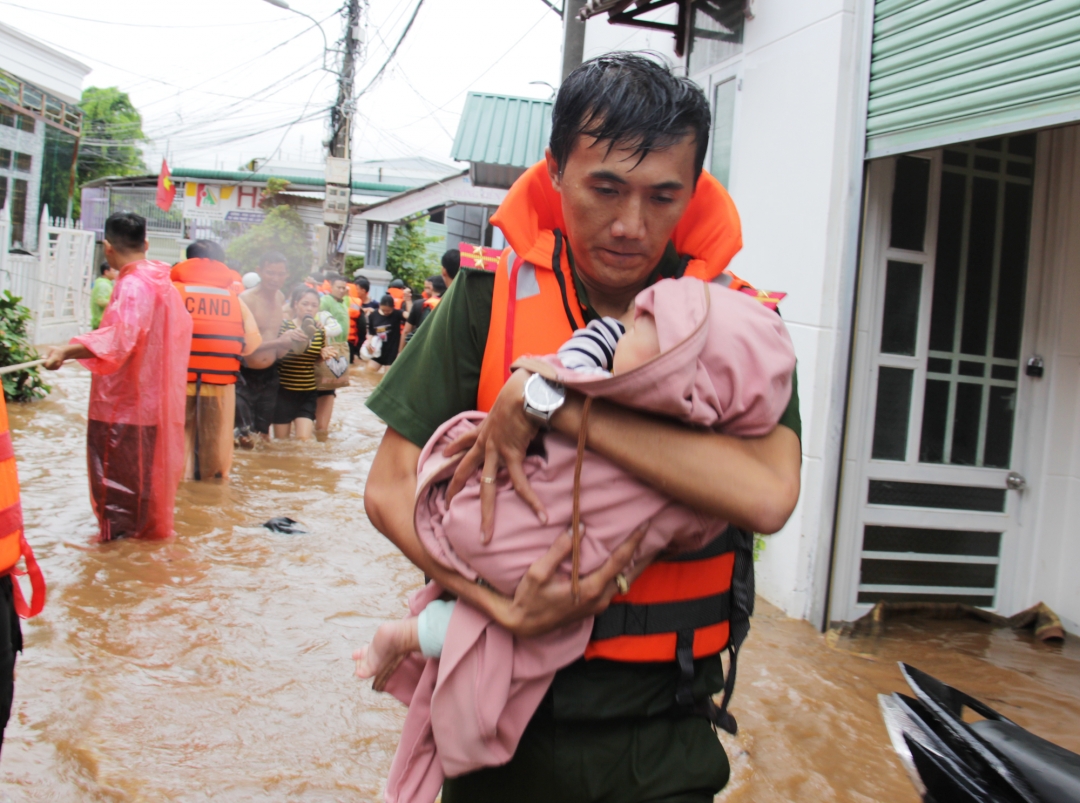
<point x="333" y="373"/>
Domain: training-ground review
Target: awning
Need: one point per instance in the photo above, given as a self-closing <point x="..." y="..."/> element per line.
<point x="500" y="136"/>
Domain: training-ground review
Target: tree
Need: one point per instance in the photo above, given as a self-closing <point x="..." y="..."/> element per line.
<point x="407" y="255"/>
<point x="15" y="348"/>
<point x="112" y="134"/>
<point x="282" y="230"/>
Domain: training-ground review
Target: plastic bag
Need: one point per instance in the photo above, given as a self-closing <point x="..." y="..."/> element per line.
<point x="332" y="374"/>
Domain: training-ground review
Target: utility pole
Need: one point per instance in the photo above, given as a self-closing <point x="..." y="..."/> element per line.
<point x="573" y="37"/>
<point x="339" y="146"/>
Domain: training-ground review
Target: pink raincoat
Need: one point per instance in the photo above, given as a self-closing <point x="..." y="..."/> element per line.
<point x="726" y="363"/>
<point x="135" y="435"/>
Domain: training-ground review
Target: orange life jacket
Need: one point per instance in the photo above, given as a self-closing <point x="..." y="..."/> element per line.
<point x="676" y="610"/>
<point x="13" y="544"/>
<point x="217" y="337"/>
<point x="432" y="303"/>
<point x="398" y="295"/>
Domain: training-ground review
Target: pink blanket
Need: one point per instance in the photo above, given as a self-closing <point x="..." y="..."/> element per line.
<point x="725" y="363"/>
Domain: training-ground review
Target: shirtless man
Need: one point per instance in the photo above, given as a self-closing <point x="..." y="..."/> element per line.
<point x="257" y="391"/>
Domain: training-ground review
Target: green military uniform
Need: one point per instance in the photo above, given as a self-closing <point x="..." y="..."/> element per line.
<point x="606" y="730"/>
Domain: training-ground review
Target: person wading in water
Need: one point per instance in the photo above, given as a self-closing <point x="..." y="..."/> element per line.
<point x="258" y="390"/>
<point x="610" y="211"/>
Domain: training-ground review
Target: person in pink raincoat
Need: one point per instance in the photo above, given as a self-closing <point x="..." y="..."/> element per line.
<point x="139" y="356"/>
<point x="697" y="352"/>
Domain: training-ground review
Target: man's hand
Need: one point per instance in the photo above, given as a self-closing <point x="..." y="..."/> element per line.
<point x="501" y="440"/>
<point x="543" y="602"/>
<point x="58" y="355"/>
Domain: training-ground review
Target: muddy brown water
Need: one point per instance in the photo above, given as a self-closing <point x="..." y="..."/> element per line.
<point x="216" y="666"/>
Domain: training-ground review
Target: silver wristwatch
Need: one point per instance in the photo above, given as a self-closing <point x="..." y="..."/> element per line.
<point x="542" y="399"/>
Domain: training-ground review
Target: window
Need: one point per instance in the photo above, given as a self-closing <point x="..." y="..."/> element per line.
<point x="465" y="223"/>
<point x="23" y="162"/>
<point x="7" y="117"/>
<point x="3" y="191"/>
<point x="722" y="129"/>
<point x="18" y="211"/>
<point x="5" y="159"/>
<point x="717" y="33"/>
<point x="437" y="215"/>
<point x="26" y="123"/>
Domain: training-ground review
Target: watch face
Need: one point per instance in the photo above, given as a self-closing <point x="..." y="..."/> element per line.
<point x="543" y="396"/>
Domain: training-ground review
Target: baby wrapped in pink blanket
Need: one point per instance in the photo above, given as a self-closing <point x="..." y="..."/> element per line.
<point x="700" y="353"/>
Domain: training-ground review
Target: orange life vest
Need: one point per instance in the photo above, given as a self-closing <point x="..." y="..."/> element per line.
<point x="677" y="610"/>
<point x="217" y="337"/>
<point x="13" y="544"/>
<point x="398" y="295"/>
<point x="433" y="302"/>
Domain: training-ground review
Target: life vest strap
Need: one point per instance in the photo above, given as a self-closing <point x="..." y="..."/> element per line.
<point x="7" y="450"/>
<point x="215" y="373"/>
<point x="37" y="581"/>
<point x="626" y="619"/>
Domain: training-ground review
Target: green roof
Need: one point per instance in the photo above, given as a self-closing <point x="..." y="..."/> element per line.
<point x="503" y="130"/>
<point x="369" y="187"/>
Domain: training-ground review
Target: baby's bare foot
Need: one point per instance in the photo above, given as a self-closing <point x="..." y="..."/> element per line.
<point x="392" y="642"/>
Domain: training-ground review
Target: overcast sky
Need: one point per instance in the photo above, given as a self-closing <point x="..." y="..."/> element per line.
<point x="218" y="81"/>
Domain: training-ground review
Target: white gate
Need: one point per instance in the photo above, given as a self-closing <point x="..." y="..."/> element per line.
<point x="55" y="283"/>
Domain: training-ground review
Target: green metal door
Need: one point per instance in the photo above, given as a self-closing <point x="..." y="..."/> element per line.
<point x="945" y="71"/>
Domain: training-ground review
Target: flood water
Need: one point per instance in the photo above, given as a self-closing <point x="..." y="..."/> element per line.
<point x="216" y="666"/>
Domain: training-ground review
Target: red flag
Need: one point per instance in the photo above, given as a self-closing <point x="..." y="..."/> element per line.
<point x="166" y="189"/>
<point x="476" y="256"/>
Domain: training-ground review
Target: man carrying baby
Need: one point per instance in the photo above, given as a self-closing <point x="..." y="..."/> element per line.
<point x="608" y="213"/>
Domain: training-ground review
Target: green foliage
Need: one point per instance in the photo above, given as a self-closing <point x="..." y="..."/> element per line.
<point x="15" y="348"/>
<point x="109" y="115"/>
<point x="407" y="255"/>
<point x="353" y="263"/>
<point x="283" y="231"/>
<point x="274" y="186"/>
<point x="759" y="546"/>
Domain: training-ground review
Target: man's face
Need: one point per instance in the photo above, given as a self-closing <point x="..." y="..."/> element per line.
<point x="620" y="213"/>
<point x="338" y="289"/>
<point x="273" y="275"/>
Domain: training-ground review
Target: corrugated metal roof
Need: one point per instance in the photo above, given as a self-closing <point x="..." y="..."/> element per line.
<point x="503" y="130"/>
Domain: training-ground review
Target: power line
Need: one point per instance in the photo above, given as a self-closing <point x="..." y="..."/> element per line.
<point x="139" y="24"/>
<point x="393" y="51"/>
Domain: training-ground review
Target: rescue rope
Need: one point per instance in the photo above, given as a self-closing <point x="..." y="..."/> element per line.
<point x="22" y="366"/>
<point x="575" y="520"/>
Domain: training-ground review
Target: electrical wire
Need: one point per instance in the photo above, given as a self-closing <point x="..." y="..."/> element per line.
<point x="393" y="52"/>
<point x="139" y="24"/>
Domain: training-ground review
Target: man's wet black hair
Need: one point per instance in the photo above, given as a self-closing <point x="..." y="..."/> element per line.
<point x="451" y="262"/>
<point x="273" y="258"/>
<point x="126" y="232"/>
<point x="629" y="101"/>
<point x="206" y="249"/>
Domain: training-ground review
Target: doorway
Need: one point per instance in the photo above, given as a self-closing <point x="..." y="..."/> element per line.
<point x="932" y="484"/>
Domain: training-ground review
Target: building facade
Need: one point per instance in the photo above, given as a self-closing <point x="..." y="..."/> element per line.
<point x="39" y="92"/>
<point x="908" y="172"/>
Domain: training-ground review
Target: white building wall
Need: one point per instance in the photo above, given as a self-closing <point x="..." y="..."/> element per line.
<point x="41" y="65"/>
<point x="1045" y="564"/>
<point x="796" y="179"/>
